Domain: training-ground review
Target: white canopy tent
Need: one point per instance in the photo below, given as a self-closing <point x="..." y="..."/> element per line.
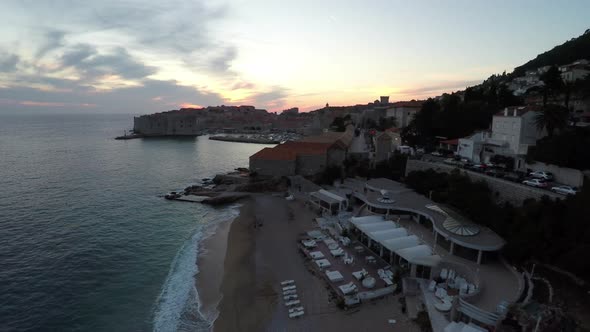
<point x="377" y="226"/>
<point x="365" y="220"/>
<point x="401" y="242"/>
<point x="420" y="254"/>
<point x="383" y="235"/>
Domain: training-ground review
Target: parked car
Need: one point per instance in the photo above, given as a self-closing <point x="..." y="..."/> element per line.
<point x="565" y="190"/>
<point x="478" y="168"/>
<point x="542" y="175"/>
<point x="451" y="161"/>
<point x="539" y="183"/>
<point x="436" y="154"/>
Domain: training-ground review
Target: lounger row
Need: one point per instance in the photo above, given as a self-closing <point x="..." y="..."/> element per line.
<point x="291" y="298"/>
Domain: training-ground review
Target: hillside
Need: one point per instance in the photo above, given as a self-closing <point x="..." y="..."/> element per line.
<point x="568" y="52"/>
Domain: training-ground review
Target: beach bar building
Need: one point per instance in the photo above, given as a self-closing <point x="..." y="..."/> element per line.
<point x="456" y="234"/>
<point x="328" y="201"/>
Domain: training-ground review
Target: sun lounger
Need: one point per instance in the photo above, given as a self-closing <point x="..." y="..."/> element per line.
<point x="292" y="310"/>
<point x="290" y="297"/>
<point x="309" y="243"/>
<point x="329" y="241"/>
<point x="290" y="292"/>
<point x="291" y="303"/>
<point x="323" y="263"/>
<point x="337" y="253"/>
<point x="289" y="288"/>
<point x="348" y="288"/>
<point x="334" y="276"/>
<point x="287" y="282"/>
<point x="316" y="254"/>
<point x="296" y="314"/>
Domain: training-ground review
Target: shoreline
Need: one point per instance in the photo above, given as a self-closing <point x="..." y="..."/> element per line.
<point x="208" y="281"/>
<point x="258" y="258"/>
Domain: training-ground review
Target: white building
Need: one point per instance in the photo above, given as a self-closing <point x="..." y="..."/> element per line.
<point x="471" y="147"/>
<point x="513" y="131"/>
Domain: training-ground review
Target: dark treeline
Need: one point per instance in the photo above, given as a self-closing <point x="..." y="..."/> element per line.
<point x="568" y="52"/>
<point x="454" y="116"/>
<point x="554" y="232"/>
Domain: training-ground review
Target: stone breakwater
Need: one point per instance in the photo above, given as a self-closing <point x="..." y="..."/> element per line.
<point x="239" y="139"/>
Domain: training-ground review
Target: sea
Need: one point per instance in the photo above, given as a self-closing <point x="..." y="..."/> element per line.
<point x="87" y="241"/>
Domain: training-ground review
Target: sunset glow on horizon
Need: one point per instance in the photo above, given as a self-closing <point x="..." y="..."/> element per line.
<point x="149" y="57"/>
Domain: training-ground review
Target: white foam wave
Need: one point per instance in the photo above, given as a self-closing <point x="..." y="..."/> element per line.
<point x="178" y="306"/>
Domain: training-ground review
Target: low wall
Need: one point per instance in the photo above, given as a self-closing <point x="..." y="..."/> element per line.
<point x="503" y="190"/>
<point x="569" y="176"/>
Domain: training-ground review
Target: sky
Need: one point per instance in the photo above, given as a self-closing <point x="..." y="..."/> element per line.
<point x="149" y="56"/>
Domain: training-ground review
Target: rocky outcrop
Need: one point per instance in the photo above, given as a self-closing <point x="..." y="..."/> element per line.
<point x="224" y="198"/>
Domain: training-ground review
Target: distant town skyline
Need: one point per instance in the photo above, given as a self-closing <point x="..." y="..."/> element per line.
<point x="149" y="56"/>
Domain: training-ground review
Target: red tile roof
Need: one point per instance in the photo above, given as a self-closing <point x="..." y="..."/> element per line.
<point x="274" y="154"/>
<point x="454" y="141"/>
<point x="290" y="150"/>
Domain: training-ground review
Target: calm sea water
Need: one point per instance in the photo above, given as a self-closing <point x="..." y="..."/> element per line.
<point x="87" y="243"/>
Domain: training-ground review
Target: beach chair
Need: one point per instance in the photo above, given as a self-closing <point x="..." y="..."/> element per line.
<point x="292" y="310"/>
<point x="296" y="314"/>
<point x="287" y="282"/>
<point x="292" y="303"/>
<point x="290" y="297"/>
<point x="290" y="292"/>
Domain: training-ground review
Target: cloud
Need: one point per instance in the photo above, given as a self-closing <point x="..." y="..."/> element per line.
<point x="52" y="40"/>
<point x="8" y="62"/>
<point x="243" y="85"/>
<point x="151" y="96"/>
<point x="273" y="100"/>
<point x="222" y="61"/>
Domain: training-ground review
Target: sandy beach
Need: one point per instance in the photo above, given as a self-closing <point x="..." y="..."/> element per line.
<point x="258" y="258"/>
<point x="210" y="262"/>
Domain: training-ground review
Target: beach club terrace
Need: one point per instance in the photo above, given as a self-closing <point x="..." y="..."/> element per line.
<point x="451" y="255"/>
<point x="455" y="261"/>
<point x="451" y="231"/>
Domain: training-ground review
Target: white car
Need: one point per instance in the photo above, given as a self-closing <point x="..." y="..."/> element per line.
<point x="565" y="190"/>
<point x="542" y="175"/>
<point x="535" y="183"/>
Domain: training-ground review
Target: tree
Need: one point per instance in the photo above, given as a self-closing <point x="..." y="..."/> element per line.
<point x="553" y="83"/>
<point x="551" y="117"/>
